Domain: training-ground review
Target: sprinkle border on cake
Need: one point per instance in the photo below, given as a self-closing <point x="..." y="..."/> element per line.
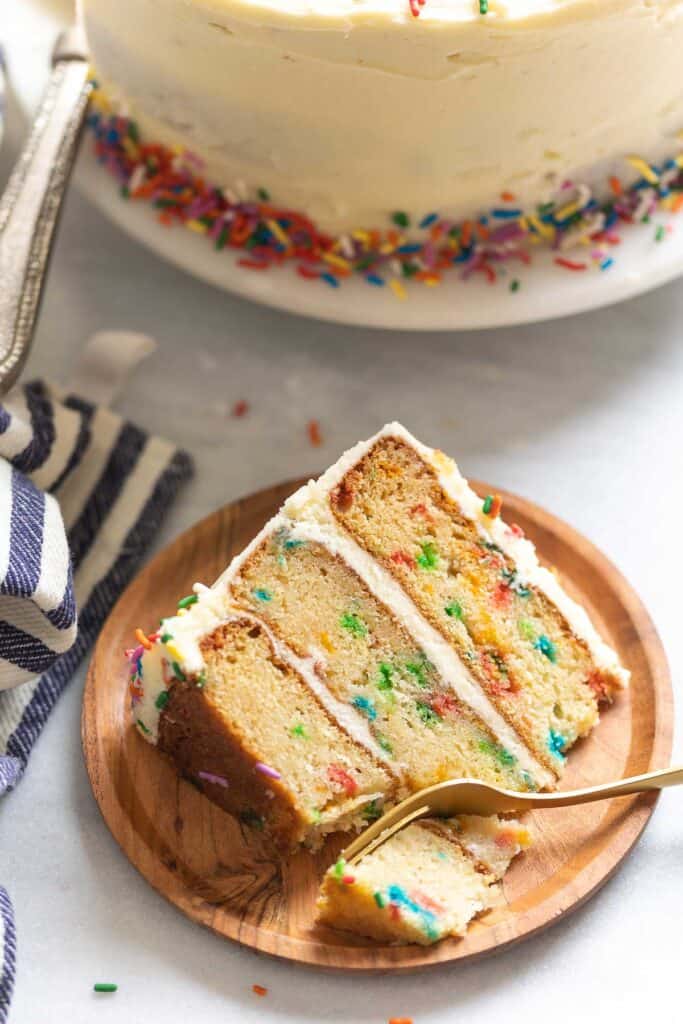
<point x="425" y="251"/>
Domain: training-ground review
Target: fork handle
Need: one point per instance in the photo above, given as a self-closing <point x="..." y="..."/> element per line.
<point x="637" y="784"/>
<point x="30" y="205"/>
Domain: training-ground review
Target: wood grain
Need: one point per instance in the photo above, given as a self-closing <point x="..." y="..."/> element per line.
<point x="225" y="877"/>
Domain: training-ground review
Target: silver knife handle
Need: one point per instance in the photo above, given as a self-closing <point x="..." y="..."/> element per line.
<point x="30" y="205"/>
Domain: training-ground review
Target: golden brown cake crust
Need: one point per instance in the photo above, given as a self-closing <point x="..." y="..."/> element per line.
<point x="197" y="740"/>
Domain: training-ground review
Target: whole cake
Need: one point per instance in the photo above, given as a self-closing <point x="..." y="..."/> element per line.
<point x="385" y="631"/>
<point x="351" y="110"/>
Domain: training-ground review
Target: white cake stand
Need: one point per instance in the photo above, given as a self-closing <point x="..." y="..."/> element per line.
<point x="546" y="291"/>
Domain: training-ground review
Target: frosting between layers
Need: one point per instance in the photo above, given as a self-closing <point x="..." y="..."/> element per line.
<point x="313" y="497"/>
<point x="213" y="609"/>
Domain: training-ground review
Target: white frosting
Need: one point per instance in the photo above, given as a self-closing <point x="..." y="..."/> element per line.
<point x="351" y="109"/>
<point x="493" y="530"/>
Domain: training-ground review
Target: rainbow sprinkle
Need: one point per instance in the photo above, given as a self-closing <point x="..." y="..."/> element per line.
<point x="545" y="645"/>
<point x="556" y="744"/>
<point x="218" y="780"/>
<point x="353" y="624"/>
<point x="143" y="639"/>
<point x="428" y="558"/>
<point x="339" y="776"/>
<point x="365" y="706"/>
<point x="269" y="236"/>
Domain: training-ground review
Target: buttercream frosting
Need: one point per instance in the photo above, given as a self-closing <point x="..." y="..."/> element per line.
<point x="352" y="109"/>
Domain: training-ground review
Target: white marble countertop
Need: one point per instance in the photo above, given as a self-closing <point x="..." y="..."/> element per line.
<point x="583" y="415"/>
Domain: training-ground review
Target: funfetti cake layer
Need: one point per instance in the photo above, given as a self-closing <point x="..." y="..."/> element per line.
<point x="425" y="883"/>
<point x="386" y="630"/>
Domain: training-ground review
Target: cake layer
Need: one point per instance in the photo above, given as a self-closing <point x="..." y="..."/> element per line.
<point x="425" y="883"/>
<point x="350" y="110"/>
<point x="542" y="677"/>
<point x="314" y="602"/>
<point x="250" y="732"/>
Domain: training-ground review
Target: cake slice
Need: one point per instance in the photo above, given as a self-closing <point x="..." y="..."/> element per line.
<point x="425" y="883"/>
<point x="475" y="582"/>
<point x="385" y="631"/>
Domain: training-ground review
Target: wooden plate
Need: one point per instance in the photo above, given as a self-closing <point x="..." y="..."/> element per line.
<point x="224" y="877"/>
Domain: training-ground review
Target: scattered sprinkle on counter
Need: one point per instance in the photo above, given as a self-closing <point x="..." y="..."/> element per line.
<point x="421" y="251"/>
<point x="570" y="264"/>
<point x="240" y="409"/>
<point x="259" y="990"/>
<point x="400" y="1020"/>
<point x="104" y="986"/>
<point x="314" y="435"/>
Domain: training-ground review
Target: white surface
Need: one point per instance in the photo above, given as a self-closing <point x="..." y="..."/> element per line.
<point x="547" y="291"/>
<point x="584" y="416"/>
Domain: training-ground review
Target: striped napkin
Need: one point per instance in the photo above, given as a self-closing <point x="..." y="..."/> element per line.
<point x="82" y="494"/>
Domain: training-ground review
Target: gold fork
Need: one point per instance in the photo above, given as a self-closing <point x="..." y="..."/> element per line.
<point x="467" y="796"/>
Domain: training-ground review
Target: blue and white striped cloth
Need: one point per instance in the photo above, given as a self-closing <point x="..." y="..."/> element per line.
<point x="82" y="494"/>
<point x="37" y="605"/>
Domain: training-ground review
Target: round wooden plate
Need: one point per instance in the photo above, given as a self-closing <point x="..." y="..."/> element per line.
<point x="224" y="876"/>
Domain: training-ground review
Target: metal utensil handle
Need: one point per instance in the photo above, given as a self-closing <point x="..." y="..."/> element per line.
<point x="30" y="205"/>
<point x="661" y="779"/>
